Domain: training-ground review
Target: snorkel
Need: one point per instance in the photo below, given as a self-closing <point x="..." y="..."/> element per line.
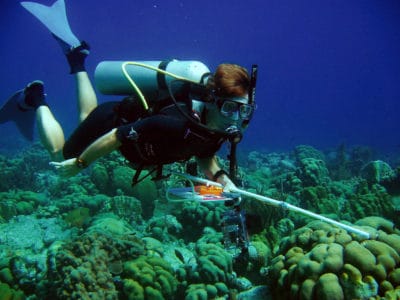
<point x="252" y="91"/>
<point x="233" y="167"/>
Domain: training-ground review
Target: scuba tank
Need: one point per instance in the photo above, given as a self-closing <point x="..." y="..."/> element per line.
<point x="152" y="78"/>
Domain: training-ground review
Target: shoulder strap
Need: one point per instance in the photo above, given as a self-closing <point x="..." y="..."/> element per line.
<point x="162" y="83"/>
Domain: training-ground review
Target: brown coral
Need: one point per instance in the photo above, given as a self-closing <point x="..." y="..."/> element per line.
<point x="321" y="262"/>
<point x="82" y="269"/>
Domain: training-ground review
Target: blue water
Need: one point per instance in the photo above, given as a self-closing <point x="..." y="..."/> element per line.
<point x="329" y="71"/>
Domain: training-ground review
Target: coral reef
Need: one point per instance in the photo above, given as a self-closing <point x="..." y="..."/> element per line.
<point x="24" y="245"/>
<point x="318" y="260"/>
<point x="377" y="171"/>
<point x="87" y="268"/>
<point x="23" y="170"/>
<point x="94" y="236"/>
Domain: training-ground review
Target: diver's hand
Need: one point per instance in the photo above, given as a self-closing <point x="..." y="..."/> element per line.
<point x="227" y="183"/>
<point x="66" y="168"/>
<point x="229" y="186"/>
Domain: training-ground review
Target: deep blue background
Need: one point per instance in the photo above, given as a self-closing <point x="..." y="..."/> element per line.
<point x="329" y="71"/>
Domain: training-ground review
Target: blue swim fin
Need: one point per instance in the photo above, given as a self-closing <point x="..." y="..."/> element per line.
<point x="55" y="19"/>
<point x="12" y="111"/>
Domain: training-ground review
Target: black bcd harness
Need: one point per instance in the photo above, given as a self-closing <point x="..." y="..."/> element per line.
<point x="233" y="137"/>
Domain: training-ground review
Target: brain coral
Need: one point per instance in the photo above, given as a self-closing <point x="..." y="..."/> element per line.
<point x="321" y="262"/>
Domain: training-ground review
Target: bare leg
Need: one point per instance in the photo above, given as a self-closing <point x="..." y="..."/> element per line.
<point x="50" y="132"/>
<point x="87" y="99"/>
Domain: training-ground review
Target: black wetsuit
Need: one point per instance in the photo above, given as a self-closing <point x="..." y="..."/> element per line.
<point x="162" y="138"/>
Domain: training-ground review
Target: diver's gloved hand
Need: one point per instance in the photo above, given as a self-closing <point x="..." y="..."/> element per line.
<point x="66" y="168"/>
<point x="227" y="183"/>
<point x="76" y="57"/>
<point x="229" y="186"/>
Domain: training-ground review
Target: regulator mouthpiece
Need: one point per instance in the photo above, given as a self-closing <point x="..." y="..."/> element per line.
<point x="235" y="135"/>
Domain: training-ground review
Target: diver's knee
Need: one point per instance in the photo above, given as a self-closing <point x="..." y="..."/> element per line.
<point x="82" y="117"/>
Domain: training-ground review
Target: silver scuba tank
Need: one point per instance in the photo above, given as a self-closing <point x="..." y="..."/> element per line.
<point x="110" y="78"/>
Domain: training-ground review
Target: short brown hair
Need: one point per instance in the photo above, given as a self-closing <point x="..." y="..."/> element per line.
<point x="230" y="80"/>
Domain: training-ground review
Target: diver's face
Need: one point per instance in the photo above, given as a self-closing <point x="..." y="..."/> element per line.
<point x="227" y="112"/>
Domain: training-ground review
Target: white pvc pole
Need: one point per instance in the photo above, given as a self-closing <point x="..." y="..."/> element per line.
<point x="281" y="204"/>
<point x="291" y="207"/>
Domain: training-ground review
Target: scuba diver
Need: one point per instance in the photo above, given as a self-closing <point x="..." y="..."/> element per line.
<point x="144" y="138"/>
<point x="188" y="117"/>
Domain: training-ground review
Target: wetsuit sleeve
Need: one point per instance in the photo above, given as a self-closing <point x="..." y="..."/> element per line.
<point x="209" y="152"/>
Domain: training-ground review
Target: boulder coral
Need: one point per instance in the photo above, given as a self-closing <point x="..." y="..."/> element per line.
<point x="149" y="278"/>
<point x="305" y="151"/>
<point x="101" y="178"/>
<point x="85" y="267"/>
<point x="321" y="262"/>
<point x="209" y="274"/>
<point x="313" y="172"/>
<point x="145" y="191"/>
<point x="8" y="293"/>
<point x="201" y="291"/>
<point x="19" y="202"/>
<point x="214" y="264"/>
<point x="197" y="216"/>
<point x="165" y="228"/>
<point x="121" y="179"/>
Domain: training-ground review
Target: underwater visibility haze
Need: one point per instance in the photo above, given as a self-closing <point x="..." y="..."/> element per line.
<point x="324" y="138"/>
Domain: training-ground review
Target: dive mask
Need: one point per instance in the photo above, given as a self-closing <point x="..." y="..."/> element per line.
<point x="235" y="108"/>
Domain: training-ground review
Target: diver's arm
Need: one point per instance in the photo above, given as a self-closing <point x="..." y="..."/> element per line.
<point x="210" y="167"/>
<point x="102" y="146"/>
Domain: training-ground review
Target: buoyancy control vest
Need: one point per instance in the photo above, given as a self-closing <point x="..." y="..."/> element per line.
<point x="152" y="82"/>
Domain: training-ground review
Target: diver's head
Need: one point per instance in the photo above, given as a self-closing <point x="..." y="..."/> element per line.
<point x="229" y="107"/>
